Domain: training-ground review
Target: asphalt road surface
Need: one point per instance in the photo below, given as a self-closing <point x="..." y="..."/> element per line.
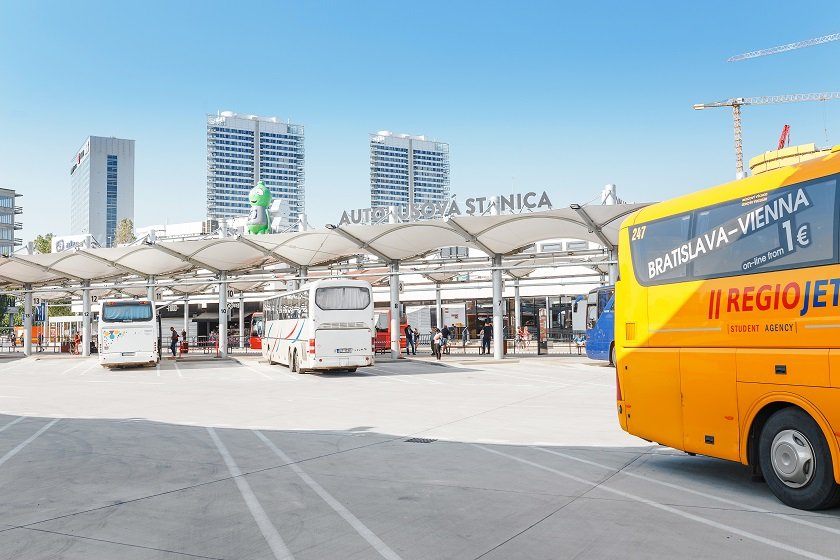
<point x="469" y="459"/>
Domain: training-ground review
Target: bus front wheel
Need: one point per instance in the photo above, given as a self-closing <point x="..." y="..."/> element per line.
<point x="612" y="355"/>
<point x="796" y="461"/>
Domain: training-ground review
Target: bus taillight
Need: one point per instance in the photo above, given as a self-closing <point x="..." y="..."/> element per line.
<point x="311" y="345"/>
<point x="618" y="396"/>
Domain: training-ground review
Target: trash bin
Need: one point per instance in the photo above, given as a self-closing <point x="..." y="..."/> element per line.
<point x="185" y="347"/>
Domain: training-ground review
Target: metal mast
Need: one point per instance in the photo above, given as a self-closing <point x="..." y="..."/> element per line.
<point x="737" y="102"/>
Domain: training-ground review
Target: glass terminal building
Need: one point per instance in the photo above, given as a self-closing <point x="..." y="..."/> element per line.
<point x="245" y="149"/>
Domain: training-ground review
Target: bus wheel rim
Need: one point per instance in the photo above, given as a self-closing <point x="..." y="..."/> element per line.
<point x="793" y="458"/>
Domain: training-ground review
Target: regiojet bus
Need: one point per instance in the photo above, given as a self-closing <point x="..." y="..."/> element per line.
<point x="325" y="325"/>
<point x="727" y="323"/>
<point x="128" y="333"/>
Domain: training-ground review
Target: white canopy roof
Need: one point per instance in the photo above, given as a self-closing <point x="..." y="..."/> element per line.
<point x="504" y="234"/>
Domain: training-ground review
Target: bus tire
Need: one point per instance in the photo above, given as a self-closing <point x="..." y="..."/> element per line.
<point x="297" y="364"/>
<point x="293" y="361"/>
<point x="796" y="461"/>
<point x="613" y="361"/>
<point x="351" y="370"/>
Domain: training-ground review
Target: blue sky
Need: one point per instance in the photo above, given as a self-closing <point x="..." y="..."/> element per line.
<point x="555" y="96"/>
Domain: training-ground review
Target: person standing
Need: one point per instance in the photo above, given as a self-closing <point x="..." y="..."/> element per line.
<point x="410" y="343"/>
<point x="40" y="342"/>
<point x="173" y="344"/>
<point x="437" y="340"/>
<point x="445" y="333"/>
<point x="416" y="335"/>
<point x="465" y="337"/>
<point x="486" y="335"/>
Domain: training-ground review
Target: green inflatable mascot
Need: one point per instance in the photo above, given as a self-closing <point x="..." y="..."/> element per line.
<point x="259" y="220"/>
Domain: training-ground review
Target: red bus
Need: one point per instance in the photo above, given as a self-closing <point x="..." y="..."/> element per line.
<point x="382" y="323"/>
<point x="256" y="331"/>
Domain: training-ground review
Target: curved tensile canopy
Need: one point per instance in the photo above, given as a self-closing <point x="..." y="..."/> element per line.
<point x="501" y="235"/>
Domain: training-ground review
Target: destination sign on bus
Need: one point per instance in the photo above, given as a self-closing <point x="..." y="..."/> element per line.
<point x="763" y="232"/>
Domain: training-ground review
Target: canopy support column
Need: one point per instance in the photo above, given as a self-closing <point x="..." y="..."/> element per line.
<point x="498" y="311"/>
<point x="186" y="317"/>
<point x="517" y="306"/>
<point x="395" y="309"/>
<point x="85" y="318"/>
<point x="150" y="289"/>
<point x="223" y="317"/>
<point x="27" y="320"/>
<point x="303" y="274"/>
<point x="614" y="266"/>
<point x="242" y="319"/>
<point x="438" y="309"/>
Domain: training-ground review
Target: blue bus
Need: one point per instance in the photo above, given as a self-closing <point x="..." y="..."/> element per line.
<point x="600" y="324"/>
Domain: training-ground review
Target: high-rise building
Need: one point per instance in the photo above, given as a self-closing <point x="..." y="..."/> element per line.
<point x="102" y="188"/>
<point x="243" y="150"/>
<point x="8" y="225"/>
<point x="406" y="168"/>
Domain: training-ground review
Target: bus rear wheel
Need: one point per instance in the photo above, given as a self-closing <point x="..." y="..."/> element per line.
<point x="796" y="461"/>
<point x="613" y="361"/>
<point x="297" y="364"/>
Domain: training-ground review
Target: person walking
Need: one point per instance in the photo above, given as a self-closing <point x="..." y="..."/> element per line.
<point x="436" y="343"/>
<point x="486" y="335"/>
<point x="465" y="337"/>
<point x="40" y="342"/>
<point x="173" y="344"/>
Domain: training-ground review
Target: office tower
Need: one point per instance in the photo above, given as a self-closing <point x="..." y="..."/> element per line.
<point x="243" y="150"/>
<point x="407" y="169"/>
<point x="8" y="225"/>
<point x="102" y="188"/>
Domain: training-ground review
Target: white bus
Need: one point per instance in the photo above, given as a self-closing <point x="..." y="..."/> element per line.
<point x="325" y="325"/>
<point x="128" y="333"/>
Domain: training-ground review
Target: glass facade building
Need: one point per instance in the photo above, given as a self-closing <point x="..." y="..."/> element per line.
<point x="8" y="223"/>
<point x="407" y="169"/>
<point x="243" y="150"/>
<point x="102" y="188"/>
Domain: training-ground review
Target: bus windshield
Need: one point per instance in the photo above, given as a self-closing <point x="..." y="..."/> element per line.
<point x="342" y="298"/>
<point x="127" y="312"/>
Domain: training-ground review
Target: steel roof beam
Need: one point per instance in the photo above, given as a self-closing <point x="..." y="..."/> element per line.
<point x="364" y="247"/>
<point x="468" y="237"/>
<point x="592" y="226"/>
<point x="115" y="264"/>
<point x="46" y="269"/>
<point x="195" y="262"/>
<point x="268" y="252"/>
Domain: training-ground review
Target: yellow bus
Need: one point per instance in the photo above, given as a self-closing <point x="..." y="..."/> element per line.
<point x="728" y="327"/>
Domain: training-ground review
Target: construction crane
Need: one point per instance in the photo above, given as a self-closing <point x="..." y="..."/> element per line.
<point x="736" y="114"/>
<point x="785" y="48"/>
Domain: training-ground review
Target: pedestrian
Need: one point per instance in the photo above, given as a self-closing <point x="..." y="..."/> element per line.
<point x="410" y="343"/>
<point x="416" y="336"/>
<point x="465" y="337"/>
<point x="436" y="343"/>
<point x="445" y="338"/>
<point x="486" y="335"/>
<point x="77" y="343"/>
<point x="173" y="345"/>
<point x="13" y="340"/>
<point x="40" y="342"/>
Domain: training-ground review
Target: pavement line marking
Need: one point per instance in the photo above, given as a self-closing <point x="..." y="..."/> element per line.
<point x="257" y="372"/>
<point x="31" y="438"/>
<point x="68" y="370"/>
<point x="12" y="423"/>
<point x="90" y="369"/>
<point x="272" y="537"/>
<point x="157" y="369"/>
<point x="354" y="521"/>
<point x="663" y="507"/>
<point x="695" y="492"/>
<point x="177" y="369"/>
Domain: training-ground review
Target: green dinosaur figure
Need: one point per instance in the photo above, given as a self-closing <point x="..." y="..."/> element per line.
<point x="259" y="219"/>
